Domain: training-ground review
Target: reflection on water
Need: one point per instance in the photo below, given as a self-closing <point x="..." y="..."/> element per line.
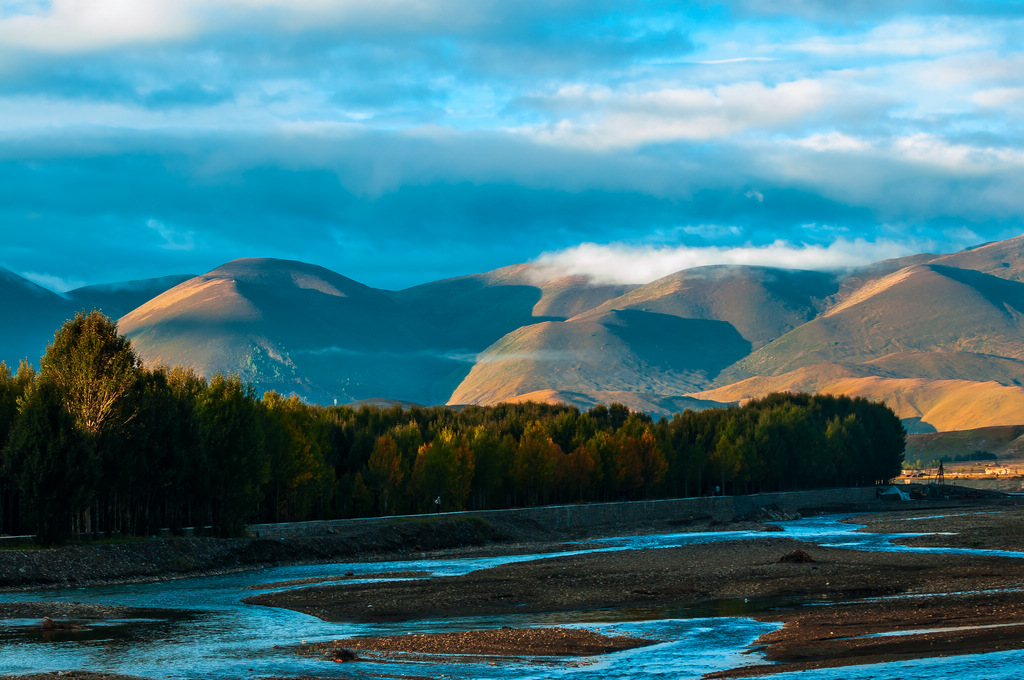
<point x="123" y="632"/>
<point x="214" y="635"/>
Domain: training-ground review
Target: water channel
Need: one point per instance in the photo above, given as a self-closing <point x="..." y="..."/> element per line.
<point x="214" y="635"/>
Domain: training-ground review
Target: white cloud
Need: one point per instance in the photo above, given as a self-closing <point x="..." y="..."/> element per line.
<point x="610" y="119"/>
<point x="79" y="25"/>
<point x="553" y="355"/>
<point x="961" y="159"/>
<point x="901" y="39"/>
<point x="70" y="26"/>
<point x="618" y="263"/>
<point x="999" y="97"/>
<point x="834" y="141"/>
<point x="920" y="148"/>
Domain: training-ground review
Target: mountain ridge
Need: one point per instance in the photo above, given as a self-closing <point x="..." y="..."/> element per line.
<point x="929" y="334"/>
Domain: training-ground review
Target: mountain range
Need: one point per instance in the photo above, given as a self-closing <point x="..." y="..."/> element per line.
<point x="937" y="337"/>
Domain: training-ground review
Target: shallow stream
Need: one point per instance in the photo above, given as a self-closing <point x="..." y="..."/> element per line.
<point x="216" y="636"/>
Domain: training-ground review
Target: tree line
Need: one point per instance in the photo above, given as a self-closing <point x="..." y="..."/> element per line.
<point x="94" y="443"/>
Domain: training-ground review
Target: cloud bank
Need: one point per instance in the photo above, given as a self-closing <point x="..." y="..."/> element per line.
<point x="620" y="264"/>
<point x="402" y="141"/>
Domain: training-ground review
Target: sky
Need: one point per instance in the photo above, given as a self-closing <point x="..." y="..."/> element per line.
<point x="403" y="141"/>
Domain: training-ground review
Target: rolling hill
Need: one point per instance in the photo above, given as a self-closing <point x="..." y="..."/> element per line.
<point x="291" y="327"/>
<point x="922" y="308"/>
<point x="923" y="405"/>
<point x="643" y="357"/>
<point x="469" y="313"/>
<point x="938" y="337"/>
<point x="760" y="303"/>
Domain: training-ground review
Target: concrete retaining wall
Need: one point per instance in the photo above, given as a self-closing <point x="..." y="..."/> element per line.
<point x="602" y="514"/>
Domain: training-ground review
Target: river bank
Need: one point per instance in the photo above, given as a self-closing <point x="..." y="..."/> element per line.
<point x="874" y="606"/>
<point x="159" y="559"/>
<point x="767" y="576"/>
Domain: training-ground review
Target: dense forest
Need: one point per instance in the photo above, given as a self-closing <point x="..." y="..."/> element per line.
<point x="94" y="443"/>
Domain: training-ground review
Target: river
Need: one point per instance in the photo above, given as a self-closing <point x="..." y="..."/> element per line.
<point x="214" y="635"/>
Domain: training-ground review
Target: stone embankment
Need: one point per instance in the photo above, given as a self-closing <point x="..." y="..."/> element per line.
<point x="147" y="560"/>
<point x="639" y="513"/>
<point x="164" y="558"/>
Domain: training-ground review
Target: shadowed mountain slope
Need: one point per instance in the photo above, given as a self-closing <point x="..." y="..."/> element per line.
<point x="469" y="313"/>
<point x="761" y="303"/>
<point x="32" y="314"/>
<point x="1004" y="259"/>
<point x="651" y="355"/>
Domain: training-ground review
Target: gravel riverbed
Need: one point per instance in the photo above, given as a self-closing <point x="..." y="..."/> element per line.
<point x="923" y="604"/>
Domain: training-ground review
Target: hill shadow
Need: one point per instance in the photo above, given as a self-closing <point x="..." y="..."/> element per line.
<point x="675" y="343"/>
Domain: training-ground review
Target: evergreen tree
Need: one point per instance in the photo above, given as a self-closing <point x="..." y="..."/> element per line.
<point x="51" y="463"/>
<point x="234" y="459"/>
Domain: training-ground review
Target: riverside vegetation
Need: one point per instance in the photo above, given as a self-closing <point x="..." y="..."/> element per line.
<point x="96" y="443"/>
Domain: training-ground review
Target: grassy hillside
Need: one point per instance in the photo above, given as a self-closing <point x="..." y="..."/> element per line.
<point x="923" y="308"/>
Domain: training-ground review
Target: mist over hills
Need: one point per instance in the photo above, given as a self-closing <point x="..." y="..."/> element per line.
<point x="938" y="337"/>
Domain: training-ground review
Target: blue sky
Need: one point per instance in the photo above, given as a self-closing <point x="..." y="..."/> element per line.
<point x="403" y="141"/>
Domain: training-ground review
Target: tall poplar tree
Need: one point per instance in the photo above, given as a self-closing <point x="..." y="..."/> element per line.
<point x="93" y="370"/>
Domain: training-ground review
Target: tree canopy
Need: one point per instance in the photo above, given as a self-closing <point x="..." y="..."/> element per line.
<point x="95" y="443"/>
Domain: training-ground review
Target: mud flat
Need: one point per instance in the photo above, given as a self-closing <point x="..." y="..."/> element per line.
<point x="868" y="607"/>
<point x="888" y="630"/>
<point x="653" y="578"/>
<point x="986" y="527"/>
